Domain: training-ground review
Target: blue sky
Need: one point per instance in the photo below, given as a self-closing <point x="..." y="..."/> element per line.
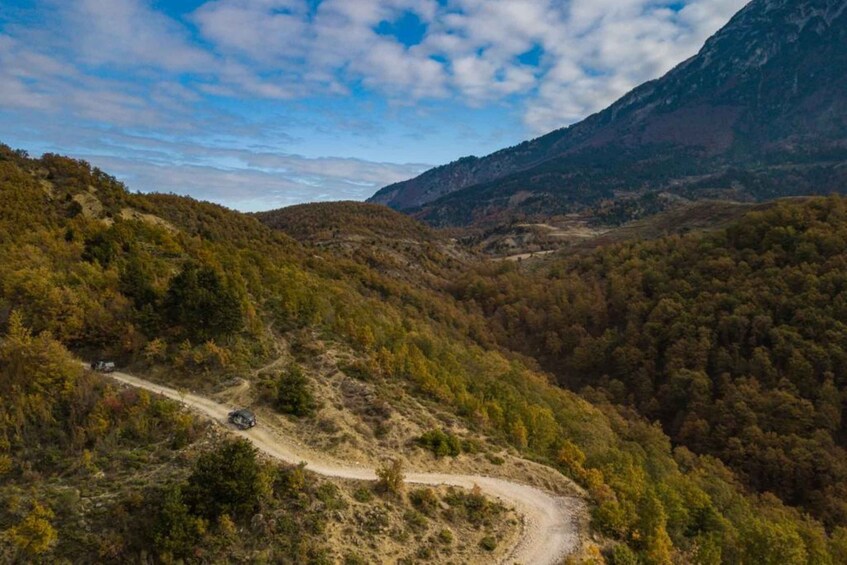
<point x="258" y="104"/>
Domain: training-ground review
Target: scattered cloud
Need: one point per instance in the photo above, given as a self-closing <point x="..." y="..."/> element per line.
<point x="231" y="70"/>
<point x="259" y="182"/>
<point x="121" y="32"/>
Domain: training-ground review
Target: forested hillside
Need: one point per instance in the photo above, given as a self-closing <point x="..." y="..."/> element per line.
<point x="322" y="221"/>
<point x="386" y="241"/>
<point x="195" y="294"/>
<point x="735" y="342"/>
<point x="96" y="474"/>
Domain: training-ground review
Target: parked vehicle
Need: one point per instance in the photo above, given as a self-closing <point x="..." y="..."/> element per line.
<point x="103" y="366"/>
<point x="242" y="418"/>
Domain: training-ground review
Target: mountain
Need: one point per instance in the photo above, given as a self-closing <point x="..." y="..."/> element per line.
<point x="759" y="112"/>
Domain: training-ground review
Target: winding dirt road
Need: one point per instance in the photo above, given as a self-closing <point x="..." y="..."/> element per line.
<point x="550" y="526"/>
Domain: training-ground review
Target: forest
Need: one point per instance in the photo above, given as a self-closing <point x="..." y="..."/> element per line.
<point x="735" y="342"/>
<point x="162" y="281"/>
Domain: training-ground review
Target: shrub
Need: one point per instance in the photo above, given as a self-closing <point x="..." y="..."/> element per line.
<point x="415" y="519"/>
<point x="471" y="446"/>
<point x="445" y="536"/>
<point x="488" y="543"/>
<point x="494" y="459"/>
<point x="293" y="394"/>
<point x="176" y="530"/>
<point x="330" y="495"/>
<point x="475" y="507"/>
<point x="354" y="559"/>
<point x="35" y="534"/>
<point x="623" y="555"/>
<point x="363" y="494"/>
<point x="290" y="482"/>
<point x="441" y="443"/>
<point x="357" y="370"/>
<point x="424" y="500"/>
<point x="390" y="477"/>
<point x="225" y="481"/>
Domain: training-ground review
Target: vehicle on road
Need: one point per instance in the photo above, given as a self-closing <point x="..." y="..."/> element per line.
<point x="242" y="418"/>
<point x="103" y="366"/>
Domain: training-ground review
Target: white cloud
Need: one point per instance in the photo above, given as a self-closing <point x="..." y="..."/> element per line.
<point x="265" y="30"/>
<point x="129" y="32"/>
<point x="593" y="50"/>
<point x="35" y="81"/>
<point x="220" y="170"/>
<point x="255" y="182"/>
<point x="111" y="67"/>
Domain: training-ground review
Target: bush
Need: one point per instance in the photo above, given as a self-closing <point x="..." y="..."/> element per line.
<point x="390" y="477"/>
<point x="441" y="443"/>
<point x="415" y="520"/>
<point x="363" y="494"/>
<point x="622" y="555"/>
<point x="494" y="459"/>
<point x="488" y="543"/>
<point x="225" y="481"/>
<point x="475" y="507"/>
<point x="293" y="394"/>
<point x="354" y="559"/>
<point x="424" y="500"/>
<point x="330" y="495"/>
<point x="176" y="530"/>
<point x="445" y="537"/>
<point x="357" y="370"/>
<point x="35" y="534"/>
<point x="290" y="482"/>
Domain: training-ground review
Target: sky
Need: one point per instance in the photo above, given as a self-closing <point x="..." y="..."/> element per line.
<point x="259" y="104"/>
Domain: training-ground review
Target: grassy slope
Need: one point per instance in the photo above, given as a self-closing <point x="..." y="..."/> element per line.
<point x="90" y="471"/>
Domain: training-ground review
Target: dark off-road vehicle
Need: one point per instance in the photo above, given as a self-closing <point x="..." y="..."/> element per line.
<point x="242" y="418"/>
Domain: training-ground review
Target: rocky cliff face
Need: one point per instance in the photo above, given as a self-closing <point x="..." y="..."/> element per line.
<point x="760" y="111"/>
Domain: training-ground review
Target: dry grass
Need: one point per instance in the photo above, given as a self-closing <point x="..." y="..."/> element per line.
<point x="365" y="420"/>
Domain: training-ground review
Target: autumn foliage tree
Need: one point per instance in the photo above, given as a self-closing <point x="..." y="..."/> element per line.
<point x="34" y="535"/>
<point x="390" y="477"/>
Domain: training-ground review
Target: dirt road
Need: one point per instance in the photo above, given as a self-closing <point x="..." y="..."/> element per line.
<point x="551" y="523"/>
<point x="523" y="256"/>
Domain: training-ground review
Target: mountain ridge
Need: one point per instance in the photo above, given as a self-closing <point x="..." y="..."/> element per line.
<point x="767" y="88"/>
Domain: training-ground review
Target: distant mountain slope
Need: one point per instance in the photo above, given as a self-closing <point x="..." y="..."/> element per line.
<point x="320" y="221"/>
<point x="760" y="112"/>
<point x="390" y="242"/>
